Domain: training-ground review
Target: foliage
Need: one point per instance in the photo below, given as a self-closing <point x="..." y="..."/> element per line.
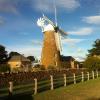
<point x="42" y="67"/>
<point x="3" y="54"/>
<point x="96" y="48"/>
<point x="4" y="68"/>
<point x="92" y="63"/>
<point x="36" y="60"/>
<point x="37" y="66"/>
<point x="13" y="54"/>
<point x="31" y="58"/>
<point x="51" y="67"/>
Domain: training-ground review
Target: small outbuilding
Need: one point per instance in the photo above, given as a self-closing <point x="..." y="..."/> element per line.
<point x="19" y="62"/>
<point x="68" y="62"/>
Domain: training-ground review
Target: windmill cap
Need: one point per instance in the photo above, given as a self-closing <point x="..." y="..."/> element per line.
<point x="48" y="27"/>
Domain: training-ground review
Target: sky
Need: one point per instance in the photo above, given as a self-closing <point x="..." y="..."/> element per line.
<point x="19" y="30"/>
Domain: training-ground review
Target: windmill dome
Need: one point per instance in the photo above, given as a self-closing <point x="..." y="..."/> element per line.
<point x="48" y="27"/>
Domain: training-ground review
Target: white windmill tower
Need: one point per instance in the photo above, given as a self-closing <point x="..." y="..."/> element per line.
<point x="52" y="41"/>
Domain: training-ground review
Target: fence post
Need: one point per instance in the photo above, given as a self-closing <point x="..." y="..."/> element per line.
<point x="51" y="79"/>
<point x="93" y="74"/>
<point x="35" y="86"/>
<point x="88" y="76"/>
<point x="74" y="78"/>
<point x="10" y="88"/>
<point x="65" y="81"/>
<point x="97" y="73"/>
<point x="82" y="76"/>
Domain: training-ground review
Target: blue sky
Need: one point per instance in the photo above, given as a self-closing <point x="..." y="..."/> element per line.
<point x="79" y="18"/>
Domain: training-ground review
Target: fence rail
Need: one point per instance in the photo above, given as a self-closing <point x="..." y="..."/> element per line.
<point x="48" y="84"/>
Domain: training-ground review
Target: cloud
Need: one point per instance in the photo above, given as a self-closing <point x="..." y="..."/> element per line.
<point x="26" y="50"/>
<point x="2" y="20"/>
<point x="13" y="6"/>
<point x="81" y="31"/>
<point x="92" y="19"/>
<point x="68" y="4"/>
<point x="8" y="6"/>
<point x="79" y="58"/>
<point x="71" y="41"/>
<point x="74" y="53"/>
<point x="36" y="42"/>
<point x="79" y="50"/>
<point x="48" y="6"/>
<point x="23" y="33"/>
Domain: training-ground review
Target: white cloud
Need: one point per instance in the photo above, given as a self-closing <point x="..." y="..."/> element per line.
<point x="2" y="20"/>
<point x="24" y="33"/>
<point x="36" y="42"/>
<point x="48" y="6"/>
<point x="79" y="58"/>
<point x="79" y="50"/>
<point x="68" y="4"/>
<point x="81" y="31"/>
<point x="71" y="41"/>
<point x="12" y="6"/>
<point x="92" y="19"/>
<point x="26" y="50"/>
<point x="73" y="52"/>
<point x="8" y="6"/>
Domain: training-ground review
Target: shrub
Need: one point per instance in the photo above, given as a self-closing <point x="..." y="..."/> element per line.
<point x="42" y="67"/>
<point x="51" y="67"/>
<point x="92" y="63"/>
<point x="4" y="68"/>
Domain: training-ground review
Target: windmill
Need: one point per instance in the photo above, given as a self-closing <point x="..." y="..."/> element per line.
<point x="58" y="32"/>
<point x="52" y="41"/>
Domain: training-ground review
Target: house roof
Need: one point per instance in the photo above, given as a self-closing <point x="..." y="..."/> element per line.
<point x="66" y="58"/>
<point x="18" y="58"/>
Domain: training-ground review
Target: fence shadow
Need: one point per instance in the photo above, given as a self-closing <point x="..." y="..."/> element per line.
<point x="22" y="97"/>
<point x="93" y="98"/>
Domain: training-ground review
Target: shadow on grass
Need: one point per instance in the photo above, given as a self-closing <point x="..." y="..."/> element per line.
<point x="93" y="98"/>
<point x="22" y="97"/>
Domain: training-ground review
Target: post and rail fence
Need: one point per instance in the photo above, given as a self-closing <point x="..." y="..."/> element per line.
<point x="51" y="83"/>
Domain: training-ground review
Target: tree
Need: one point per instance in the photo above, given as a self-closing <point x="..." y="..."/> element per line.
<point x="13" y="54"/>
<point x="31" y="58"/>
<point x="4" y="68"/>
<point x="93" y="60"/>
<point x="96" y="48"/>
<point x="3" y="54"/>
<point x="92" y="63"/>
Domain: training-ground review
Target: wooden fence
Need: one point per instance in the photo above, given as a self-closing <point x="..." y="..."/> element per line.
<point x="48" y="84"/>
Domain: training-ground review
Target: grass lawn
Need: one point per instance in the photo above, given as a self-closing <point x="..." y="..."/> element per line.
<point x="89" y="90"/>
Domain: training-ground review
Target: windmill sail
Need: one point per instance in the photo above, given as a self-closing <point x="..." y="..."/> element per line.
<point x="55" y="12"/>
<point x="59" y="32"/>
<point x="58" y="42"/>
<point x="49" y="21"/>
<point x="55" y="27"/>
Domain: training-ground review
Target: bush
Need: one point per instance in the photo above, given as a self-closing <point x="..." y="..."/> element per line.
<point x="42" y="67"/>
<point x="52" y="67"/>
<point x="4" y="68"/>
<point x="92" y="63"/>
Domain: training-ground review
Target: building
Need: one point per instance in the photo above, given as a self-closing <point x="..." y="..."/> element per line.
<point x="67" y="61"/>
<point x="50" y="55"/>
<point x="19" y="63"/>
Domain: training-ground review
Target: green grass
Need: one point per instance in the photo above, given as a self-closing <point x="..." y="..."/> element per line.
<point x="88" y="90"/>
